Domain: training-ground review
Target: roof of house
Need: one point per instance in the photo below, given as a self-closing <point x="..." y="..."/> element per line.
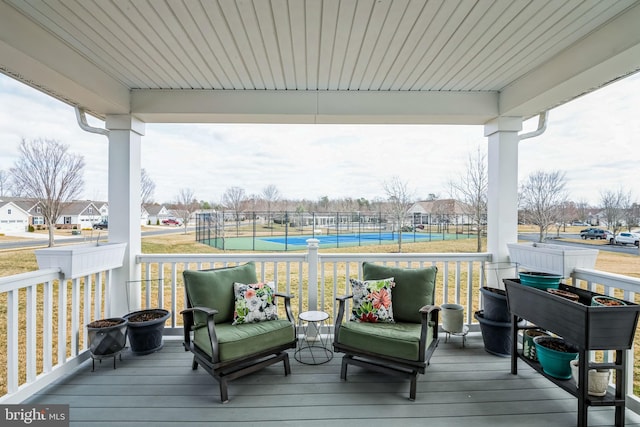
<point x="78" y="207"/>
<point x="25" y="203"/>
<point x="441" y="206"/>
<point x="154" y="208"/>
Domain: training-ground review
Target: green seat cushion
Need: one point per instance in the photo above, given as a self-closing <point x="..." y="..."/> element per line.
<point x="214" y="289"/>
<point x="401" y="340"/>
<point x="414" y="288"/>
<point x="237" y="341"/>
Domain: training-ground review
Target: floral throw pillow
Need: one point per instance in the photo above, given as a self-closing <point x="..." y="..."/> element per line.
<point x="372" y="300"/>
<point x="254" y="303"/>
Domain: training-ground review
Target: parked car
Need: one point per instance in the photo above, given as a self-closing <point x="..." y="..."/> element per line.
<point x="171" y="221"/>
<point x="579" y="223"/>
<point x="596" y="233"/>
<point x="102" y="225"/>
<point x="626" y="238"/>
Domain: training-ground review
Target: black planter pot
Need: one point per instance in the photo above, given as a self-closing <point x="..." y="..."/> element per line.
<point x="495" y="335"/>
<point x="107" y="341"/>
<point x="145" y="337"/>
<point x="494" y="302"/>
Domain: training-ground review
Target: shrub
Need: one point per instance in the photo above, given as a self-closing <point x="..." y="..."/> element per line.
<point x="31" y="229"/>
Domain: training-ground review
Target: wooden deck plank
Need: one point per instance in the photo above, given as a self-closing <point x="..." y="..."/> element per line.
<point x="462" y="387"/>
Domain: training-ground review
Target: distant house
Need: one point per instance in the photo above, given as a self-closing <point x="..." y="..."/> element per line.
<point x="12" y="217"/>
<point x="448" y="211"/>
<point x="157" y="213"/>
<point x="80" y="213"/>
<point x="103" y="207"/>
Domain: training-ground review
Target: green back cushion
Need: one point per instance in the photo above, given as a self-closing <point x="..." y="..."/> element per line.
<point x="414" y="288"/>
<point x="214" y="289"/>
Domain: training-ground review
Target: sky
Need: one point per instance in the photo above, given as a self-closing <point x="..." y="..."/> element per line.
<point x="594" y="139"/>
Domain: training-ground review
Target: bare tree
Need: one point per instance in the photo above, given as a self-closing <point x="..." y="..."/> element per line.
<point x="4" y="183"/>
<point x="271" y="195"/>
<point x="234" y="198"/>
<point x="614" y="205"/>
<point x="399" y="203"/>
<point x="471" y="189"/>
<point x="542" y="196"/>
<point x="582" y="210"/>
<point x="48" y="172"/>
<point x="186" y="205"/>
<point x="147" y="187"/>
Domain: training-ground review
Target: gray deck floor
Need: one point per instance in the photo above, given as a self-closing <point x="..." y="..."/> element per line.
<point x="463" y="387"/>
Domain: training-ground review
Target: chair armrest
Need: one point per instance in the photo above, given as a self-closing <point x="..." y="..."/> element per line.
<point x="341" y="309"/>
<point x="188" y="321"/>
<point x="287" y="305"/>
<point x="428" y="312"/>
<point x="429" y="309"/>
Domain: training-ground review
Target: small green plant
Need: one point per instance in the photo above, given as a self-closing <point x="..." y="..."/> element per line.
<point x="31" y="229"/>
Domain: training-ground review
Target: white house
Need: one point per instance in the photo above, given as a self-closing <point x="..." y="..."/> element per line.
<point x="13" y="218"/>
<point x="79" y="213"/>
<point x="156" y="213"/>
<point x="438" y="211"/>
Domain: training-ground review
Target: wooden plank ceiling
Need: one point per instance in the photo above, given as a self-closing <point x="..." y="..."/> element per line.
<point x="441" y="46"/>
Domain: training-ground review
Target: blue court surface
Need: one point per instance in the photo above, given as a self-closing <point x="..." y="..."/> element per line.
<point x="353" y="239"/>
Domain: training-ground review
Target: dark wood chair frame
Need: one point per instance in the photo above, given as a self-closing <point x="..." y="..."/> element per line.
<point x="390" y="365"/>
<point x="228" y="370"/>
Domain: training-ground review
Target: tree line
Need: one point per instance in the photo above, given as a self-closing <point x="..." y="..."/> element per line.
<point x="47" y="171"/>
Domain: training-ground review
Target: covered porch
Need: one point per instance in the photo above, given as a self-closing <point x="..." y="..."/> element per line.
<point x="463" y="387"/>
<point x="490" y="64"/>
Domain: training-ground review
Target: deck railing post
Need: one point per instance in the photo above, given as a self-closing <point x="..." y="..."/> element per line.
<point x="312" y="260"/>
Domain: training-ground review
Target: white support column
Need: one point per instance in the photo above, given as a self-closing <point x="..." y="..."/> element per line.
<point x="125" y="134"/>
<point x="502" y="201"/>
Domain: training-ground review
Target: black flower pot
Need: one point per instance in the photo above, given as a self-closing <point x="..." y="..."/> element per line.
<point x="145" y="331"/>
<point x="495" y="335"/>
<point x="495" y="304"/>
<point x="107" y="337"/>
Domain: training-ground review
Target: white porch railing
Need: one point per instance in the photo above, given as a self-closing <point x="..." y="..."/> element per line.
<point x="314" y="279"/>
<point x="45" y="323"/>
<point x="46" y="334"/>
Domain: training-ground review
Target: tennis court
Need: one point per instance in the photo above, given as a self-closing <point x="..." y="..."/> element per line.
<point x="299" y="242"/>
<point x="355" y="239"/>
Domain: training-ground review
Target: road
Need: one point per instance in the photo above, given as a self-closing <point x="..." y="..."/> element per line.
<point x="625" y="249"/>
<point x="83" y="239"/>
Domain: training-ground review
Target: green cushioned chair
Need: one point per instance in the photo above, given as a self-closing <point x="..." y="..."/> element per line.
<point x="403" y="347"/>
<point x="224" y="350"/>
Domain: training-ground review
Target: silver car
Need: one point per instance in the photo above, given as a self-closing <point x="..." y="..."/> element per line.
<point x="627" y="238"/>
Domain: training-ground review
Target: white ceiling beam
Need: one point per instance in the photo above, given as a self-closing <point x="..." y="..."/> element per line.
<point x="210" y="106"/>
<point x="30" y="54"/>
<point x="604" y="56"/>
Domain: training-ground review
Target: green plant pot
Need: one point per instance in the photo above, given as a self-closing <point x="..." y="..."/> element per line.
<point x="555" y="363"/>
<point x="605" y="301"/>
<point x="540" y="280"/>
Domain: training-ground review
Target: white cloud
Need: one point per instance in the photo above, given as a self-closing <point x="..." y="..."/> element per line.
<point x="593" y="139"/>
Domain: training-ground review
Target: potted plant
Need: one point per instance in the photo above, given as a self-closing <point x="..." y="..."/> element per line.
<point x="146" y="326"/>
<point x="606" y="301"/>
<point x="554" y="355"/>
<point x="145" y="331"/>
<point x="107" y="338"/>
<point x="598" y="379"/>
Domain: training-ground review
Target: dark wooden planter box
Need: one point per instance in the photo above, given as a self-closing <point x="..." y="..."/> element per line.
<point x="587" y="327"/>
<point x="592" y="328"/>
